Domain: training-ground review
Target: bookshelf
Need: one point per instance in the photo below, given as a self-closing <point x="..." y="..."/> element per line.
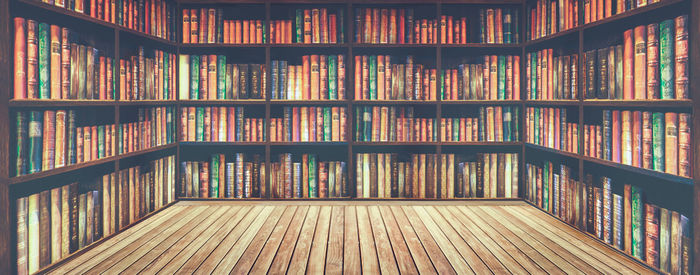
<point x="123" y="40"/>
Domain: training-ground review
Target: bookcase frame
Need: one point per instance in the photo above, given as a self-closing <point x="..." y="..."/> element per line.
<point x="8" y="185"/>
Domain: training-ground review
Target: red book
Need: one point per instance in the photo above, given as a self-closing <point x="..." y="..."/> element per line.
<point x="20" y="49"/>
<point x="636" y="138"/>
<point x="646" y="140"/>
<point x="681" y="56"/>
<point x="616" y="132"/>
<point x="628" y="83"/>
<point x="55" y="62"/>
<point x="652" y="61"/>
<point x="684" y="145"/>
<point x="640" y="62"/>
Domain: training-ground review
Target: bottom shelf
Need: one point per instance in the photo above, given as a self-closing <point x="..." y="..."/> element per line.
<point x="79" y="252"/>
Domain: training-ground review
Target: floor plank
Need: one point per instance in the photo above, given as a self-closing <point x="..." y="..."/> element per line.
<point x="351" y="237"/>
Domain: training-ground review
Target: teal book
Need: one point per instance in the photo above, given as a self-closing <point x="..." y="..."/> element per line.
<point x="533" y="78"/>
<point x="35" y="133"/>
<point x="442" y="84"/>
<point x="666" y="59"/>
<point x="166" y="76"/>
<point x="194" y="76"/>
<point x="332" y="77"/>
<point x="22" y="138"/>
<point x="313" y="185"/>
<point x="372" y="77"/>
<point x="214" y="175"/>
<point x="327" y="124"/>
<point x="545" y="187"/>
<point x="657" y="142"/>
<point x="455" y="129"/>
<point x="44" y="56"/>
<point x="637" y="213"/>
<point x="501" y="77"/>
<point x="199" y="124"/>
<point x="537" y="125"/>
<point x="101" y="141"/>
<point x="299" y="24"/>
<point x="221" y="77"/>
<point x="120" y="137"/>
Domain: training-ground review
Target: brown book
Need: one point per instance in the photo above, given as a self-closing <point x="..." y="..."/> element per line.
<point x="185" y="26"/>
<point x="627" y="210"/>
<point x="315" y="77"/>
<point x="44" y="228"/>
<point x="212" y="77"/>
<point x="194" y="26"/>
<point x="628" y="83"/>
<point x="671" y="143"/>
<point x="684" y="145"/>
<point x="20" y="58"/>
<point x="640" y="63"/>
<point x="681" y="57"/>
<point x="32" y="60"/>
<point x="652" y="61"/>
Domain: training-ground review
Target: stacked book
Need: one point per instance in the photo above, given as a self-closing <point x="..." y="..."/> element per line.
<point x="308" y="177"/>
<point x="240" y="177"/>
<point x="50" y="64"/>
<point x="209" y="77"/>
<point x="496" y="78"/>
<point x="220" y="124"/>
<point x="319" y="77"/>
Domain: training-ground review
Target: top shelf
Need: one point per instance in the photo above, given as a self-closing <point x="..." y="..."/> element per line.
<point x="473" y="2"/>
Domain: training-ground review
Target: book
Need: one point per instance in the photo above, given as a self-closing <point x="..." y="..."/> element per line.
<point x="149" y="75"/>
<point x="309" y="124"/>
<point x="549" y="17"/>
<point x="544" y="125"/>
<point x="393" y="26"/>
<point x="225" y="177"/>
<point x="306" y="176"/>
<point x="498" y="124"/>
<point x="498" y="26"/>
<point x="563" y="78"/>
<point x="467" y="81"/>
<point x="320" y="77"/>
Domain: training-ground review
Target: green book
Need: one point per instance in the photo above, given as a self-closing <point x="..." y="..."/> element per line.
<point x="101" y="141"/>
<point x="200" y="124"/>
<point x="35" y="138"/>
<point x="221" y="77"/>
<point x="313" y="186"/>
<point x="537" y="125"/>
<point x="501" y="77"/>
<point x="166" y="77"/>
<point x="299" y="21"/>
<point x="658" y="139"/>
<point x="22" y="138"/>
<point x="442" y="84"/>
<point x="507" y="130"/>
<point x="332" y="77"/>
<point x="666" y="66"/>
<point x="533" y="78"/>
<point x="637" y="223"/>
<point x="545" y="186"/>
<point x="372" y="77"/>
<point x="44" y="56"/>
<point x="214" y="175"/>
<point x="327" y="124"/>
<point x="194" y="76"/>
<point x="120" y="137"/>
<point x="455" y="129"/>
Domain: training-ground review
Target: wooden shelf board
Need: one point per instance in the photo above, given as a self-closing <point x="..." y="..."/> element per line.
<point x="638" y="170"/>
<point x="310" y="143"/>
<point x="307" y="102"/>
<point x="481" y="102"/>
<point x="221" y="143"/>
<point x="481" y="143"/>
<point x="395" y="102"/>
<point x="685" y="103"/>
<point x="551" y="150"/>
<point x="60" y="102"/>
<point x="562" y="102"/>
<point x="394" y="143"/>
<point x="190" y="102"/>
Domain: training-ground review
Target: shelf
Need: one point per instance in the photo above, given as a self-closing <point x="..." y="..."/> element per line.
<point x="60" y="102"/>
<point x="683" y="103"/>
<point x="222" y="102"/>
<point x="483" y="45"/>
<point x="309" y="143"/>
<point x="439" y="199"/>
<point x="309" y="45"/>
<point x="221" y="143"/>
<point x="553" y="151"/>
<point x="560" y="102"/>
<point x="631" y="13"/>
<point x="307" y="102"/>
<point x="146" y="36"/>
<point x="561" y="34"/>
<point x="646" y="172"/>
<point x="395" y="143"/>
<point x="395" y="102"/>
<point x="481" y="102"/>
<point x="481" y="143"/>
<point x="147" y="102"/>
<point x="220" y="45"/>
<point x="148" y="150"/>
<point x="413" y="46"/>
<point x="218" y="199"/>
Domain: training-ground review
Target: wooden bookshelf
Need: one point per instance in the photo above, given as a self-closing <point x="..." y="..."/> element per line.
<point x="123" y="36"/>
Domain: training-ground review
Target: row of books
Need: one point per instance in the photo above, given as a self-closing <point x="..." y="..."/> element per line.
<point x="281" y="32"/>
<point x="207" y="25"/>
<point x="241" y="176"/>
<point x="484" y="175"/>
<point x="50" y="64"/>
<point x="548" y="17"/>
<point x="549" y="77"/>
<point x="308" y="177"/>
<point x="153" y="17"/>
<point x="548" y="127"/>
<point x="55" y="223"/>
<point x="499" y="26"/>
<point x="376" y="78"/>
<point x="319" y="77"/>
<point x="310" y="124"/>
<point x="495" y="123"/>
<point x="149" y="75"/>
<point x="652" y="63"/>
<point x="51" y="139"/>
<point x="453" y="30"/>
<point x="153" y="127"/>
<point x="315" y="26"/>
<point x="209" y="77"/>
<point x="498" y="77"/>
<point x="656" y="235"/>
<point x="651" y="140"/>
<point x="220" y="124"/>
<point x="595" y="10"/>
<point x="393" y="26"/>
<point x="391" y="123"/>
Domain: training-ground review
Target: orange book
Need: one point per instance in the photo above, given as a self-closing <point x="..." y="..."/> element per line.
<point x="499" y="25"/>
<point x="252" y="31"/>
<point x="384" y="27"/>
<point x="424" y="31"/>
<point x="211" y="26"/>
<point x="315" y="77"/>
<point x="212" y="77"/>
<point x="608" y="8"/>
<point x="315" y="26"/>
<point x="433" y="84"/>
<point x="493" y="78"/>
<point x="516" y="77"/>
<point x="324" y="25"/>
<point x="594" y="10"/>
<point x="323" y="73"/>
<point x="231" y="31"/>
<point x="203" y="76"/>
<point x="450" y="30"/>
<point x="550" y="74"/>
<point x="203" y="25"/>
<point x="637" y="138"/>
<point x="380" y="77"/>
<point x="628" y="66"/>
<point x="600" y="13"/>
<point x="258" y="31"/>
<point x="185" y="26"/>
<point x="93" y="142"/>
<point x="684" y="145"/>
<point x="671" y="143"/>
<point x="238" y="34"/>
<point x="20" y="49"/>
<point x="55" y="62"/>
<point x="443" y="29"/>
<point x="245" y="31"/>
<point x="454" y="93"/>
<point x="358" y="77"/>
<point x="194" y="27"/>
<point x="365" y="77"/>
<point x="226" y="32"/>
<point x="307" y="27"/>
<point x="640" y="63"/>
<point x="214" y="124"/>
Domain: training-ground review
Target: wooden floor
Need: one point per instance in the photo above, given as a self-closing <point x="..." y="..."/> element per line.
<point x="351" y="237"/>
